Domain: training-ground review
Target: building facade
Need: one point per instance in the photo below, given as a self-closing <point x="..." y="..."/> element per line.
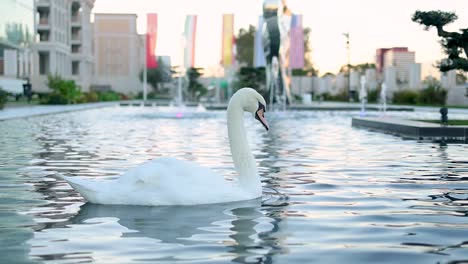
<point x="390" y="79"/>
<point x="371" y="79"/>
<point x="401" y="59"/>
<point x="379" y="60"/>
<point x="448" y="79"/>
<point x="81" y="42"/>
<point x="63" y="42"/>
<point x="415" y="76"/>
<point x="16" y="38"/>
<point x="118" y="52"/>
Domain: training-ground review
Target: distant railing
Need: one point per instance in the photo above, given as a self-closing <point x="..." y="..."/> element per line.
<point x="39" y="2"/>
<point x="75" y="18"/>
<point x="44" y="37"/>
<point x="44" y="21"/>
<point x="76" y="50"/>
<point x="76" y="37"/>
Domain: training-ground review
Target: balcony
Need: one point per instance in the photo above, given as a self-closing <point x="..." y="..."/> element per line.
<point x="76" y="39"/>
<point x="75" y="67"/>
<point x="76" y="49"/>
<point x="43" y="24"/>
<point x="44" y="35"/>
<point x="44" y="21"/>
<point x="76" y="20"/>
<point x="42" y="3"/>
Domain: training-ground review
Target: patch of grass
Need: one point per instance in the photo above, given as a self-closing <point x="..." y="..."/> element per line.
<point x="454" y="122"/>
<point x="458" y="106"/>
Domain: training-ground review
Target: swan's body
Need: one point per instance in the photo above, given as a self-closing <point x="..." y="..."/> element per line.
<point x="169" y="181"/>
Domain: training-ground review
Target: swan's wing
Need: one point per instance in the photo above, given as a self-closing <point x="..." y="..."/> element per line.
<point x="163" y="181"/>
<point x="169" y="172"/>
<point x="172" y="181"/>
<point x="90" y="189"/>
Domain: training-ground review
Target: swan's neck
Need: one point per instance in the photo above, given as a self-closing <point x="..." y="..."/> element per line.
<point x="241" y="155"/>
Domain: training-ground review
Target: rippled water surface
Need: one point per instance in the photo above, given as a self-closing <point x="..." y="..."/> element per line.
<point x="331" y="193"/>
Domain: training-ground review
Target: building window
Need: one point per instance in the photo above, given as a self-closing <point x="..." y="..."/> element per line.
<point x="75" y="67"/>
<point x="43" y="63"/>
<point x="76" y="49"/>
<point x="43" y="35"/>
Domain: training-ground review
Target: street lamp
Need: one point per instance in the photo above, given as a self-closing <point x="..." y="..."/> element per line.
<point x="349" y="64"/>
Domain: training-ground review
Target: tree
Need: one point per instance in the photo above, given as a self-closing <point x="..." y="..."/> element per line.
<point x="159" y="75"/>
<point x="63" y="91"/>
<point x="195" y="88"/>
<point x="16" y="34"/>
<point x="245" y="46"/>
<point x="433" y="93"/>
<point x="453" y="43"/>
<point x="307" y="51"/>
<point x="361" y="68"/>
<point x="252" y="77"/>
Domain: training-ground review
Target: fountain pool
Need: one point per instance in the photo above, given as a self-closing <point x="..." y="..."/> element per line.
<point x="331" y="193"/>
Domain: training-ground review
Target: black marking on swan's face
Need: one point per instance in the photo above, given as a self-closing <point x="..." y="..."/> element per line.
<point x="260" y="115"/>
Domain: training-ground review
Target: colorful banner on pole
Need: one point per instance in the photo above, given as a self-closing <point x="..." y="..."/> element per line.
<point x="228" y="41"/>
<point x="189" y="34"/>
<point x="296" y="54"/>
<point x="259" y="54"/>
<point x="151" y="33"/>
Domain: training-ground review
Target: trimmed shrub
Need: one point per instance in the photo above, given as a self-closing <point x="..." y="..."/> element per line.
<point x="108" y="96"/>
<point x="3" y="98"/>
<point x="373" y="96"/>
<point x="54" y="99"/>
<point x="90" y="97"/>
<point x="432" y="95"/>
<point x="63" y="91"/>
<point x="342" y="97"/>
<point x="405" y="97"/>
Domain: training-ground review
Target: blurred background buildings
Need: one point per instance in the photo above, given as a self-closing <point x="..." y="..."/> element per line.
<point x="105" y="52"/>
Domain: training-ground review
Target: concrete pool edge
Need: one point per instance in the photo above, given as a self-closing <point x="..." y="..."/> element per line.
<point x="416" y="130"/>
<point x="10" y="113"/>
<point x="323" y="107"/>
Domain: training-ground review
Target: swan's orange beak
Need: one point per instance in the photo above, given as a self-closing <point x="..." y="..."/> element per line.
<point x="260" y="115"/>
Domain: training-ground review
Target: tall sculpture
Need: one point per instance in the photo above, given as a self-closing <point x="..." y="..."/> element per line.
<point x="275" y="36"/>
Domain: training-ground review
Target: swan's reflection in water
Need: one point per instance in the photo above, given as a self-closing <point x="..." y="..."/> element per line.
<point x="168" y="224"/>
<point x="241" y="232"/>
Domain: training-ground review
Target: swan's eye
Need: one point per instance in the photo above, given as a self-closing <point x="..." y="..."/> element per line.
<point x="261" y="107"/>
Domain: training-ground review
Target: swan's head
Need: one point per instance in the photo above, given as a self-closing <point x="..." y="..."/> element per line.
<point x="253" y="102"/>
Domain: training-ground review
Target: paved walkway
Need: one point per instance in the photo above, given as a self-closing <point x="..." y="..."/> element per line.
<point x="23" y="111"/>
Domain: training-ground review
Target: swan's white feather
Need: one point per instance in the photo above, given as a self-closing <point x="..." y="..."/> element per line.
<point x="162" y="181"/>
<point x="170" y="181"/>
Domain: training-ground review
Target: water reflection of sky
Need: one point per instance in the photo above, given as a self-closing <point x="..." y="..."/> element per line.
<point x="332" y="193"/>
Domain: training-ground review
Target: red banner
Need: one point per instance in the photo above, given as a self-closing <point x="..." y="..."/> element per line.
<point x="151" y="33"/>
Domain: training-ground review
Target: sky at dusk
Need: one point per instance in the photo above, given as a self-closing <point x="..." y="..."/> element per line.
<point x="372" y="24"/>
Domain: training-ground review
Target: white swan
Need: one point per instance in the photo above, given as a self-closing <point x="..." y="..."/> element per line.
<point x="168" y="181"/>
